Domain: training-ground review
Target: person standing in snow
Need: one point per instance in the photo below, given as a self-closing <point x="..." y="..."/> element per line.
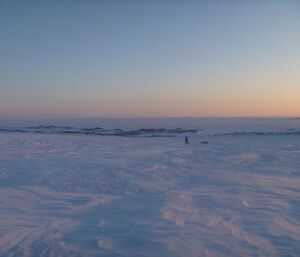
<point x="186" y="141"/>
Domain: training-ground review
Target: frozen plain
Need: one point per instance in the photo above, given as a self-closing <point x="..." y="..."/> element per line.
<point x="111" y="196"/>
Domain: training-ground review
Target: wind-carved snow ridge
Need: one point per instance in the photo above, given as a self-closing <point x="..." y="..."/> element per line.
<point x="97" y="131"/>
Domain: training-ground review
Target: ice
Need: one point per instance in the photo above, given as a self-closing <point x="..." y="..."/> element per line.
<point x="70" y="195"/>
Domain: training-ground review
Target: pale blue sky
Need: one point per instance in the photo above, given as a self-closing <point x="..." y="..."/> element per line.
<point x="149" y="58"/>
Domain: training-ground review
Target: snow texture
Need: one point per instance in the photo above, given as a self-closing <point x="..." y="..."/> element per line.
<point x="76" y="195"/>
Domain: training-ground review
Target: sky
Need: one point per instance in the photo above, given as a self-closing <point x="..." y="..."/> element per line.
<point x="135" y="58"/>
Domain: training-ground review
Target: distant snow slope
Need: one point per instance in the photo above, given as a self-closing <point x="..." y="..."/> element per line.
<point x="149" y="196"/>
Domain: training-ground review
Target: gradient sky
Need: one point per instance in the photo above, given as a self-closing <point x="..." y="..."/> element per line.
<point x="149" y="58"/>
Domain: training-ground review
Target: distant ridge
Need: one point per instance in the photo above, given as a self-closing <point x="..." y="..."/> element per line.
<point x="288" y="132"/>
<point x="97" y="131"/>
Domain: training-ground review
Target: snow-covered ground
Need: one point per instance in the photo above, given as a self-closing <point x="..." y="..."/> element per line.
<point x="76" y="195"/>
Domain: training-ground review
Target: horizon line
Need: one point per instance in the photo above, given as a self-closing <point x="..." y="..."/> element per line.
<point x="150" y="117"/>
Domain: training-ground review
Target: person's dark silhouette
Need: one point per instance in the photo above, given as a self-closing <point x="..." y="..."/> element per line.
<point x="186" y="140"/>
